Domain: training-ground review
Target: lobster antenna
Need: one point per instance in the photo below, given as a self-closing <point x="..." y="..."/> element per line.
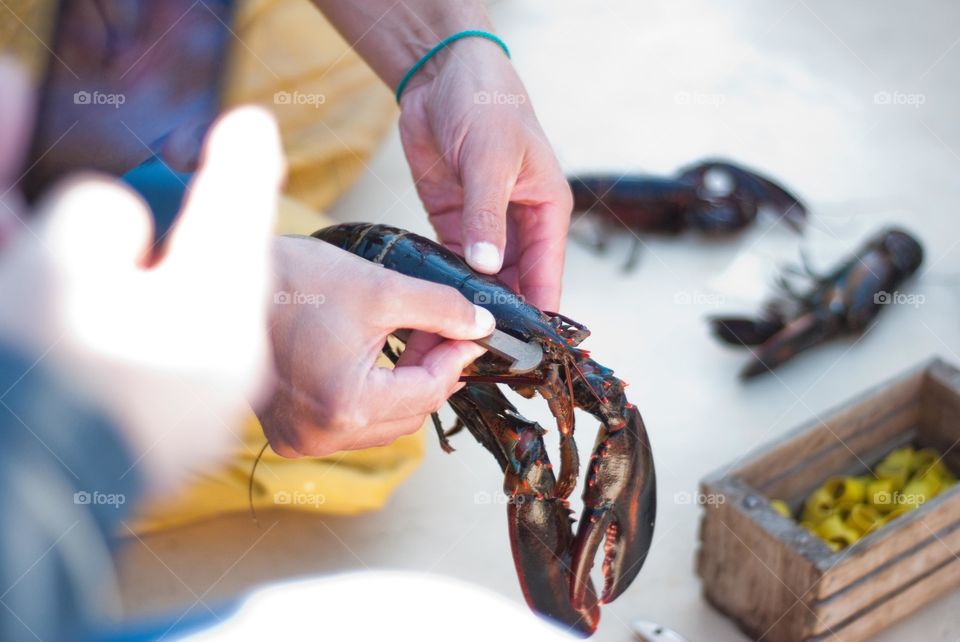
<point x="253" y="471"/>
<point x="566" y="369"/>
<point x="586" y="382"/>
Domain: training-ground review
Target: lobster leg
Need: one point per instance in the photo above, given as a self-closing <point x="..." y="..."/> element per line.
<point x="457" y="427"/>
<point x="633" y="257"/>
<point x="442" y="434"/>
<point x="554" y="390"/>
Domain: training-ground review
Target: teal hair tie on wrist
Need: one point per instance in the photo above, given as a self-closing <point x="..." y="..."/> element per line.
<point x="470" y="33"/>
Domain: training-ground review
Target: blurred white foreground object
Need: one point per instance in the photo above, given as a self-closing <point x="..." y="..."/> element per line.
<point x="380" y="605"/>
<point x="171" y="346"/>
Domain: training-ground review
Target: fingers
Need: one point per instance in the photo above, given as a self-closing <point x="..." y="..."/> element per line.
<point x="291" y="446"/>
<point x="417" y="390"/>
<point x="543" y="231"/>
<point x="417" y="346"/>
<point x="421" y="305"/>
<point x="392" y="403"/>
<point x="280" y="425"/>
<point x="232" y="201"/>
<point x="81" y="213"/>
<point x="15" y="119"/>
<point x="487" y="184"/>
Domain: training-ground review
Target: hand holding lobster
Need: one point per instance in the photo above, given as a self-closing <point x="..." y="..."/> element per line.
<point x="331" y="315"/>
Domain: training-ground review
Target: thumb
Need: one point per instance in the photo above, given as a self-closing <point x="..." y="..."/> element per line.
<point x="232" y="200"/>
<point x="95" y="225"/>
<point x="438" y="309"/>
<point x="487" y="185"/>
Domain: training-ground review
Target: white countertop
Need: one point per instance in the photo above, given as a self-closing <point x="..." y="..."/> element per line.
<point x="786" y="87"/>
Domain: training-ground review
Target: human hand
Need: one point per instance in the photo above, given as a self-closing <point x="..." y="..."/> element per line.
<point x="486" y="175"/>
<point x="171" y="351"/>
<point x="332" y="313"/>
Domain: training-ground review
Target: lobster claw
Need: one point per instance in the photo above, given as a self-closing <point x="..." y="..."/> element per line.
<point x="804" y="332"/>
<point x="541" y="540"/>
<point x="740" y="331"/>
<point x="747" y="184"/>
<point x="620" y="500"/>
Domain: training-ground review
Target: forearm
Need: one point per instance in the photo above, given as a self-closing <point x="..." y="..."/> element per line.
<point x="392" y="36"/>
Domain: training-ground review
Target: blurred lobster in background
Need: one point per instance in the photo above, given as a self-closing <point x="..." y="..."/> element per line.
<point x="844" y="301"/>
<point x="619" y="494"/>
<point x="715" y="197"/>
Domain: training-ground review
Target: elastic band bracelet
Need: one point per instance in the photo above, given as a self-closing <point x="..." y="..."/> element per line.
<point x="470" y="33"/>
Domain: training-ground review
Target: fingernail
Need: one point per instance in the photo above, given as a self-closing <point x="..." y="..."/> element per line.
<point x="484" y="256"/>
<point x="483" y="321"/>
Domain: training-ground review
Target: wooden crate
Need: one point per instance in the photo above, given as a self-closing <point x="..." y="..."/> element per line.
<point x="781" y="583"/>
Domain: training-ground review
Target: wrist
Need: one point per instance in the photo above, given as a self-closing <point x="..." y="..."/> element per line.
<point x="393" y="36"/>
<point x="475" y="58"/>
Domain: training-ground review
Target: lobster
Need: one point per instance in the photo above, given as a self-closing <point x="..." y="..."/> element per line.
<point x="844" y="301"/>
<point x="553" y="564"/>
<point x="715" y="197"/>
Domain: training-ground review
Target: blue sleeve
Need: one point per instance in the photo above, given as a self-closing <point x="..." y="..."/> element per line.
<point x="67" y="481"/>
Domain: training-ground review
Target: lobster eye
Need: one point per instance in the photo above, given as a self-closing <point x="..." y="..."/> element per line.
<point x="718" y="182"/>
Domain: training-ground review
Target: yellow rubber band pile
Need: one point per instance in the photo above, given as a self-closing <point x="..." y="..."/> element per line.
<point x="845" y="509"/>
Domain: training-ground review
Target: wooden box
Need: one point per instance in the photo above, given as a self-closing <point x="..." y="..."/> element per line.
<point x="781" y="583"/>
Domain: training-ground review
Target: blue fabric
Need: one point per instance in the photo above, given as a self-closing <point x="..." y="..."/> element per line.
<point x="171" y="628"/>
<point x="162" y="188"/>
<point x="67" y="481"/>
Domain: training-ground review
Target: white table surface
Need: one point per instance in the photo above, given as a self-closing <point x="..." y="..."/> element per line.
<point x="788" y="87"/>
<point x="784" y="86"/>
